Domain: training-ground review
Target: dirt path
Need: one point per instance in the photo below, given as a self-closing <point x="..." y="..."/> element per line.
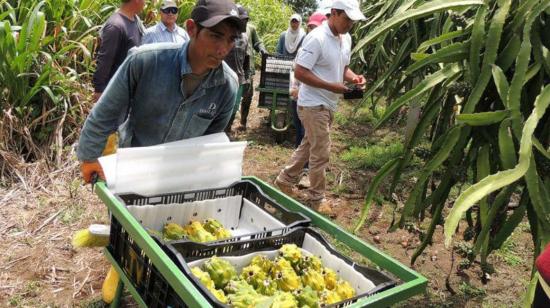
<point x="39" y="268"/>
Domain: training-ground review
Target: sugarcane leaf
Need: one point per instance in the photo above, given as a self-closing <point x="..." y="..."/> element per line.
<point x="423" y="10"/>
<point x="501" y="83"/>
<point x="500" y="179"/>
<point x="449" y="71"/>
<point x="373" y="189"/>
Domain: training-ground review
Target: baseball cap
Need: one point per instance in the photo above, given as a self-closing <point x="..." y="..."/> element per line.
<point x="209" y="13"/>
<point x="243" y="13"/>
<point x="351" y="7"/>
<point x="168" y="3"/>
<point x="316" y="18"/>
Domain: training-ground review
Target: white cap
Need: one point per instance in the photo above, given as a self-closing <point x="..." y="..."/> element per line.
<point x="324" y="7"/>
<point x="351" y="7"/>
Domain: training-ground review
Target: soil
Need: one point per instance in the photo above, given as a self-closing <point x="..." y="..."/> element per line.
<point x="40" y="268"/>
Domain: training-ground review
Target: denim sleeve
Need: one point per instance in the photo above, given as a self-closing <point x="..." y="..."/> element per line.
<point x="281" y="45"/>
<point x="106" y="55"/>
<point x="105" y="116"/>
<point x="229" y="95"/>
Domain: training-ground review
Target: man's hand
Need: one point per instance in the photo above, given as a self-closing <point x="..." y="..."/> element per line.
<point x="88" y="168"/>
<point x="97" y="95"/>
<point x="338" y="88"/>
<point x="360" y="81"/>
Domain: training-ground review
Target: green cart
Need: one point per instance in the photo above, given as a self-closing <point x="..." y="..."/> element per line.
<point x="154" y="280"/>
<point x="274" y="93"/>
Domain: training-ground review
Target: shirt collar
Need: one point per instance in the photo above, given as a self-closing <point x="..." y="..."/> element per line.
<point x="327" y="30"/>
<point x="214" y="78"/>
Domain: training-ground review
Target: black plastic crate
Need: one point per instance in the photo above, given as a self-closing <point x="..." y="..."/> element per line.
<point x="183" y="253"/>
<point x="153" y="288"/>
<point x="275" y="75"/>
<point x="246" y="189"/>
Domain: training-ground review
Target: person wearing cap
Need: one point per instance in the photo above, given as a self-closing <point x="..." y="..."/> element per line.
<point x="166" y="30"/>
<point x="314" y="21"/>
<point x="291" y="39"/>
<point x="122" y="31"/>
<point x="238" y="61"/>
<point x="322" y="65"/>
<point x="168" y="92"/>
<point x="254" y="44"/>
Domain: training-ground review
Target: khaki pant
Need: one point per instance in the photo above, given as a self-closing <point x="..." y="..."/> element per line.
<point x="315" y="148"/>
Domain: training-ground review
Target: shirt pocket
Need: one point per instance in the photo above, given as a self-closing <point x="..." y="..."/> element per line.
<point x="197" y="126"/>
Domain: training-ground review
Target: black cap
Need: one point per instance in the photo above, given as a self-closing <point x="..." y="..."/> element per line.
<point x="243" y="13"/>
<point x="209" y="13"/>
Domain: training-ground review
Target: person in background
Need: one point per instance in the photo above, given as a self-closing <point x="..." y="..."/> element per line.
<point x="291" y="39"/>
<point x="322" y="65"/>
<point x="314" y="21"/>
<point x="122" y="31"/>
<point x="254" y="44"/>
<point x="166" y="30"/>
<point x="238" y="60"/>
<point x="168" y="92"/>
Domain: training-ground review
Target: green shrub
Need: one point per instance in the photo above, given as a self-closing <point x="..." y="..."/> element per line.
<point x="372" y="156"/>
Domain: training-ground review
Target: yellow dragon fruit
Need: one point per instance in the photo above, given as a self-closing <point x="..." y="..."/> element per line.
<point x="220" y="271"/>
<point x="216" y="228"/>
<point x="310" y="262"/>
<point x="307" y="297"/>
<point x="329" y="297"/>
<point x="247" y="298"/>
<point x="218" y="294"/>
<point x="280" y="264"/>
<point x="314" y="279"/>
<point x="203" y="277"/>
<point x="331" y="278"/>
<point x="267" y="287"/>
<point x="344" y="290"/>
<point x="197" y="233"/>
<point x="253" y="274"/>
<point x="291" y="252"/>
<point x="173" y="232"/>
<point x="263" y="262"/>
<point x="287" y="280"/>
<point x="236" y="286"/>
<point x="284" y="300"/>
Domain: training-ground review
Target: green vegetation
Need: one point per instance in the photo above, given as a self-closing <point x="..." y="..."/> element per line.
<point x="477" y="71"/>
<point x="372" y="156"/>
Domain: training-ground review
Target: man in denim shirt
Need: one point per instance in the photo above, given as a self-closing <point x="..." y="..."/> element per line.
<point x="168" y="92"/>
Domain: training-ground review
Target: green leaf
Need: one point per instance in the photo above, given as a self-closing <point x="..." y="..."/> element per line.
<point x="442" y="38"/>
<point x="478" y="34"/>
<point x="425" y="85"/>
<point x="424" y="10"/>
<point x="501" y="83"/>
<point x="500" y="179"/>
<point x="482" y="118"/>
<point x="452" y="53"/>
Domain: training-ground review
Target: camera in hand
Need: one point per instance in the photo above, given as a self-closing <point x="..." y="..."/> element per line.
<point x="355" y="92"/>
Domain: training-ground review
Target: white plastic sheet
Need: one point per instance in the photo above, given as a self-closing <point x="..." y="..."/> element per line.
<point x="203" y="162"/>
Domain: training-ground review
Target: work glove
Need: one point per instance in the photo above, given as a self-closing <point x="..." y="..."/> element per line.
<point x="89" y="168"/>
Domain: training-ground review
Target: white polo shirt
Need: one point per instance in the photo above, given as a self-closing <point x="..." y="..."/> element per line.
<point x="326" y="56"/>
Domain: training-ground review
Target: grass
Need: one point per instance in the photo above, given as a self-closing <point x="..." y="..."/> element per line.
<point x="470" y="290"/>
<point x="507" y="253"/>
<point x="372" y="156"/>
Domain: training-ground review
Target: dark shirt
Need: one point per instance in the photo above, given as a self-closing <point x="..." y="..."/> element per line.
<point x="118" y="35"/>
<point x="238" y="59"/>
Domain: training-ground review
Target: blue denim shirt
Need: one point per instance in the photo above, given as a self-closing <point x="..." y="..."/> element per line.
<point x="146" y="96"/>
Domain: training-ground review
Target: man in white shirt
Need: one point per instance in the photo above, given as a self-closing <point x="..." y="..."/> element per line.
<point x="322" y="67"/>
<point x="166" y="31"/>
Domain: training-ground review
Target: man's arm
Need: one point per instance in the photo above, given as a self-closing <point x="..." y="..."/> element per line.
<point x="110" y="44"/>
<point x="306" y="76"/>
<point x="257" y="44"/>
<point x="106" y="114"/>
<point x="352" y="77"/>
